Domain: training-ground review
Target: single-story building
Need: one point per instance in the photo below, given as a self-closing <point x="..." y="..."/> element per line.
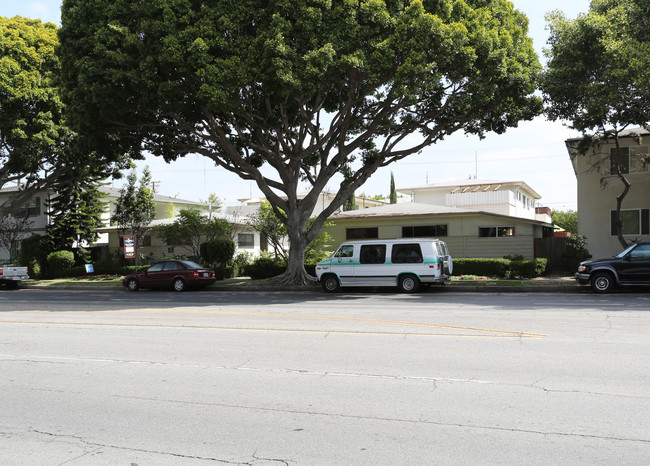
<point x="467" y="232"/>
<point x="246" y="238"/>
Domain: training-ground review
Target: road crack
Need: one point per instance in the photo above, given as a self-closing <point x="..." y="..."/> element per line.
<point x="68" y="437"/>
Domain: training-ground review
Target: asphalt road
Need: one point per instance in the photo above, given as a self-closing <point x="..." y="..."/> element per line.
<point x="161" y="378"/>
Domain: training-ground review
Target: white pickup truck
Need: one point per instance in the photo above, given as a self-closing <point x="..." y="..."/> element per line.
<point x="11" y="275"/>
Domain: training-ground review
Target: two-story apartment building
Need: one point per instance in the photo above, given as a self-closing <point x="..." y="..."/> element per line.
<point x="599" y="184"/>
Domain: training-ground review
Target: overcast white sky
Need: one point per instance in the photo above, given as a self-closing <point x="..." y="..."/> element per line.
<point x="534" y="152"/>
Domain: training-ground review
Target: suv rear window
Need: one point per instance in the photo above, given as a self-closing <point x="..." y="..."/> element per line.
<point x="406" y="254"/>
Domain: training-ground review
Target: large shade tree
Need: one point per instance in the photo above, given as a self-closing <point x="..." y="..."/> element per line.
<point x="597" y="79"/>
<point x="37" y="148"/>
<point x="32" y="127"/>
<point x="284" y="92"/>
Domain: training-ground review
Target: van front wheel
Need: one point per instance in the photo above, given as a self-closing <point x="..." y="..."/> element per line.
<point x="331" y="283"/>
<point x="408" y="283"/>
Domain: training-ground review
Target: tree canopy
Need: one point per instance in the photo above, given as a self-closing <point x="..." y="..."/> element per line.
<point x="32" y="128"/>
<point x="288" y="91"/>
<point x="566" y="219"/>
<point x="75" y="211"/>
<point x="597" y="77"/>
<point x="135" y="207"/>
<point x="191" y="229"/>
<point x="37" y="148"/>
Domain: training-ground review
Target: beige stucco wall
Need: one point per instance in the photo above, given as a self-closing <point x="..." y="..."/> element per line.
<point x="462" y="239"/>
<point x="499" y="202"/>
<point x="595" y="202"/>
<point x="159" y="249"/>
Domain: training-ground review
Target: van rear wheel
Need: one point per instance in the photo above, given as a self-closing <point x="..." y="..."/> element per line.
<point x="331" y="283"/>
<point x="408" y="283"/>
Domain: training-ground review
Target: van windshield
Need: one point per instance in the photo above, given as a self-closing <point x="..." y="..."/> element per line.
<point x="344" y="251"/>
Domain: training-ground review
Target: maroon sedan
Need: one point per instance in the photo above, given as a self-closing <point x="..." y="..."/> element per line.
<point x="178" y="275"/>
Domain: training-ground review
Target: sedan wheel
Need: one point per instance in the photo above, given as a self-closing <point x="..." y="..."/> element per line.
<point x="132" y="285"/>
<point x="179" y="285"/>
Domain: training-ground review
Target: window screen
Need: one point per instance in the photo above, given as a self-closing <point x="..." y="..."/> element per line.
<point x="496" y="232"/>
<point x="361" y="233"/>
<point x="424" y="231"/>
<point x="246" y="240"/>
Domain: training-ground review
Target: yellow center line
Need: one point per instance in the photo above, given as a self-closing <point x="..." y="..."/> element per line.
<point x="510" y="333"/>
<point x="265" y="329"/>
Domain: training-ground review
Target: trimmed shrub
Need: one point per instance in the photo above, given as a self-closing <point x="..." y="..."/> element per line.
<point x="501" y="268"/>
<point x="483" y="267"/>
<point x="527" y="268"/>
<point x="32" y="255"/>
<point x="218" y="251"/>
<point x="574" y="252"/>
<point x="265" y="267"/>
<point x="59" y="261"/>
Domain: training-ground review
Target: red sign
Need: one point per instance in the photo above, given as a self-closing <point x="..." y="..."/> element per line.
<point x="129" y="247"/>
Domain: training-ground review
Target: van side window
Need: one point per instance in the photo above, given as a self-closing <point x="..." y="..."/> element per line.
<point x="406" y="254"/>
<point x="373" y="254"/>
<point x="345" y="251"/>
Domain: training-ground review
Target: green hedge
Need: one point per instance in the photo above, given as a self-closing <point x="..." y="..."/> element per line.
<point x="500" y="268"/>
<point x="265" y="267"/>
<point x="482" y="267"/>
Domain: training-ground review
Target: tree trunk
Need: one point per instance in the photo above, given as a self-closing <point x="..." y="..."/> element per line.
<point x="619" y="198"/>
<point x="619" y="203"/>
<point x="296" y="273"/>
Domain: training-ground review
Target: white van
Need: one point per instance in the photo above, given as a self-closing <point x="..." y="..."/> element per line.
<point x="406" y="263"/>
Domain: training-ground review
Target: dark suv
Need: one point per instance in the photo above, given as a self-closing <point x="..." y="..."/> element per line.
<point x="630" y="267"/>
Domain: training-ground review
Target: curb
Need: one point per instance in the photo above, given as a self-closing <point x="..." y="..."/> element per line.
<point x="572" y="288"/>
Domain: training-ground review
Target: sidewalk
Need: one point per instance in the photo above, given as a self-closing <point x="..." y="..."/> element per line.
<point x="542" y="284"/>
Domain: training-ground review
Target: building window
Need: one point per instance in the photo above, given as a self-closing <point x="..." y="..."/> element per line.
<point x="361" y="233"/>
<point x="633" y="222"/>
<point x="31" y="209"/>
<point x="424" y="231"/>
<point x="246" y="240"/>
<point x="496" y="232"/>
<point x="628" y="160"/>
<point x="372" y="254"/>
<point x="146" y="241"/>
<point x="406" y="254"/>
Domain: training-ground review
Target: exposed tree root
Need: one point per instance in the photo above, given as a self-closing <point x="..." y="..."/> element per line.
<point x="299" y="278"/>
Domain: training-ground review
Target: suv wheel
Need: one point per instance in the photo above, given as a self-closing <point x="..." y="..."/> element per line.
<point x="602" y="282"/>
